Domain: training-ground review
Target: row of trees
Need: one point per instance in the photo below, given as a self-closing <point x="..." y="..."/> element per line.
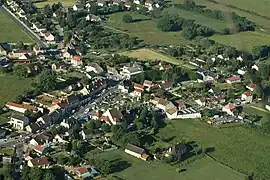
<point x="189" y="27"/>
<point x="261" y="51"/>
<point x="241" y="23"/>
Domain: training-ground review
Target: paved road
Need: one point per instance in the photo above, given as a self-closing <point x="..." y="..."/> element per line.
<point x="27" y="30"/>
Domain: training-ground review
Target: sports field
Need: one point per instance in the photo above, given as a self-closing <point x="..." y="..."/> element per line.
<point x="243" y="41"/>
<point x="11" y="87"/>
<point x="215" y="24"/>
<point x="66" y="3"/>
<point x="147" y="54"/>
<point x="10" y="31"/>
<point x="203" y="168"/>
<point x="238" y="147"/>
<point x="145" y="29"/>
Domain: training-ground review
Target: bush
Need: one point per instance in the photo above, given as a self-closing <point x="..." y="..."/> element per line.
<point x="127" y="18"/>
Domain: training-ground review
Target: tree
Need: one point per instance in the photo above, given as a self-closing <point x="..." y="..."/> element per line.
<point x="20" y="70"/>
<point x="106" y="127"/>
<point x="20" y="45"/>
<point x="35" y="173"/>
<point x="48" y="11"/>
<point x="6" y="172"/>
<point x="127" y="18"/>
<point x="47" y="80"/>
<point x="49" y="176"/>
<point x="164" y="24"/>
<point x="90" y="125"/>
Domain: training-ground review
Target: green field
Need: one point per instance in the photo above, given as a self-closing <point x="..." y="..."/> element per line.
<point x="203" y="168"/>
<point x="243" y="41"/>
<point x="66" y="3"/>
<point x="147" y="54"/>
<point x="239" y="147"/>
<point x="7" y="151"/>
<point x="260" y="111"/>
<point x="11" y="87"/>
<point x="145" y="29"/>
<point x="215" y="24"/>
<point x="10" y="31"/>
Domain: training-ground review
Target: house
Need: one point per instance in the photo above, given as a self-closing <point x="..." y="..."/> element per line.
<point x="180" y="104"/>
<point x="149" y="5"/>
<point x="68" y="53"/>
<point x="210" y="100"/>
<point x="15" y="54"/>
<point x="38" y="27"/>
<point x="48" y="36"/>
<point x="112" y="70"/>
<point x="188" y="113"/>
<point x="162" y="103"/>
<point x="68" y="123"/>
<point x="163" y="66"/>
<point x="114" y="116"/>
<point x="86" y="134"/>
<point x="137" y="152"/>
<point x="97" y="115"/>
<point x="41" y="139"/>
<point x="247" y="97"/>
<point x="206" y="76"/>
<point x="77" y="7"/>
<point x="229" y="109"/>
<point x="18" y="121"/>
<point x="241" y="72"/>
<point x="137" y="2"/>
<point x="41" y="162"/>
<point x="138" y="87"/>
<point x="86" y="172"/>
<point x="125" y="86"/>
<point x="251" y="86"/>
<point x="255" y="67"/>
<point x="101" y="3"/>
<point x="41" y="149"/>
<point x="177" y="151"/>
<point x="94" y="67"/>
<point x="34" y="127"/>
<point x="22" y="108"/>
<point x="76" y="61"/>
<point x="137" y="93"/>
<point x="128" y="71"/>
<point x="46" y="120"/>
<point x="61" y="138"/>
<point x="148" y="84"/>
<point x="60" y="66"/>
<point x="92" y="18"/>
<point x="233" y="79"/>
<point x="165" y="85"/>
<point x="127" y="5"/>
<point x="267" y="106"/>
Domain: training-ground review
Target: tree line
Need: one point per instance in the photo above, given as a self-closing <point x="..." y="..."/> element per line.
<point x="241" y="23"/>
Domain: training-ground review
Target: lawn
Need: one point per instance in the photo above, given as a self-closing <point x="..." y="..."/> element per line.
<point x="243" y="41"/>
<point x="147" y="54"/>
<point x="215" y="24"/>
<point x="202" y="168"/>
<point x="10" y="31"/>
<point x="258" y="111"/>
<point x="66" y="3"/>
<point x="7" y="151"/>
<point x="11" y="87"/>
<point x="239" y="147"/>
<point x="145" y="29"/>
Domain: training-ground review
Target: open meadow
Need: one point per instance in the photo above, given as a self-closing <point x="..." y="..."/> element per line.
<point x="11" y="87"/>
<point x="145" y="29"/>
<point x="243" y="41"/>
<point x="215" y="24"/>
<point x="147" y="54"/>
<point x="239" y="147"/>
<point x="10" y="31"/>
<point x="201" y="168"/>
<point x="66" y="3"/>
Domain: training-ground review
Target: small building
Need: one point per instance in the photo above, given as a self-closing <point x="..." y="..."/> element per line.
<point x="251" y="86"/>
<point x="61" y="138"/>
<point x="138" y="87"/>
<point x="114" y="116"/>
<point x="48" y="36"/>
<point x="22" y="108"/>
<point x="34" y="127"/>
<point x="41" y="139"/>
<point x="41" y="162"/>
<point x="137" y="152"/>
<point x="163" y="66"/>
<point x="233" y="79"/>
<point x="247" y="97"/>
<point x="92" y="18"/>
<point x="18" y="121"/>
<point x="148" y="84"/>
<point x="229" y="109"/>
<point x="101" y="3"/>
<point x="41" y="149"/>
<point x="86" y="134"/>
<point x="76" y="61"/>
<point x="177" y="151"/>
<point x="94" y="67"/>
<point x="267" y="106"/>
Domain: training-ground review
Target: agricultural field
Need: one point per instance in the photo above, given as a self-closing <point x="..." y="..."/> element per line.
<point x="10" y="31"/>
<point x="201" y="168"/>
<point x="66" y="3"/>
<point x="145" y="29"/>
<point x="239" y="147"/>
<point x="215" y="24"/>
<point x="11" y="87"/>
<point x="243" y="41"/>
<point x="147" y="54"/>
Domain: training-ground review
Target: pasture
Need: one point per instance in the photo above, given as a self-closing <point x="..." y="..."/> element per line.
<point x="66" y="3"/>
<point x="239" y="147"/>
<point x="145" y="29"/>
<point x="147" y="54"/>
<point x="243" y="41"/>
<point x="214" y="24"/>
<point x="11" y="87"/>
<point x="201" y="168"/>
<point x="10" y="31"/>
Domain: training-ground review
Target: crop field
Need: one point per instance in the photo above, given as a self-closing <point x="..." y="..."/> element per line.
<point x="243" y="41"/>
<point x="11" y="87"/>
<point x="215" y="24"/>
<point x="10" y="31"/>
<point x="66" y="3"/>
<point x="145" y="29"/>
<point x="201" y="168"/>
<point x="147" y="54"/>
<point x="239" y="147"/>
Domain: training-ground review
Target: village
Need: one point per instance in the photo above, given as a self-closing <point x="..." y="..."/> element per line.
<point x="91" y="105"/>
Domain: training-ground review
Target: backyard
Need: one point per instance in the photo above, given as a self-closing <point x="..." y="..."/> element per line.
<point x="239" y="147"/>
<point x="145" y="29"/>
<point x="10" y="31"/>
<point x="66" y="3"/>
<point x="11" y="87"/>
<point x="147" y="54"/>
<point x="201" y="168"/>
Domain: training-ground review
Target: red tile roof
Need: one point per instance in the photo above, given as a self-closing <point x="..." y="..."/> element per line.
<point x="138" y="90"/>
<point x="138" y="86"/>
<point x="39" y="149"/>
<point x="40" y="161"/>
<point x="248" y="93"/>
<point x="82" y="170"/>
<point x="77" y="58"/>
<point x="24" y="106"/>
<point x="234" y="78"/>
<point x="230" y="106"/>
<point x="252" y="85"/>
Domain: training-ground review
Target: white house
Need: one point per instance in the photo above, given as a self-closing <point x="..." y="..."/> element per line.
<point x="255" y="67"/>
<point x="48" y="36"/>
<point x="114" y="116"/>
<point x="241" y="72"/>
<point x="94" y="67"/>
<point x="188" y="113"/>
<point x="247" y="97"/>
<point x="233" y="79"/>
<point x="136" y="152"/>
<point x="18" y="121"/>
<point x="229" y="108"/>
<point x="267" y="106"/>
<point x="251" y="86"/>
